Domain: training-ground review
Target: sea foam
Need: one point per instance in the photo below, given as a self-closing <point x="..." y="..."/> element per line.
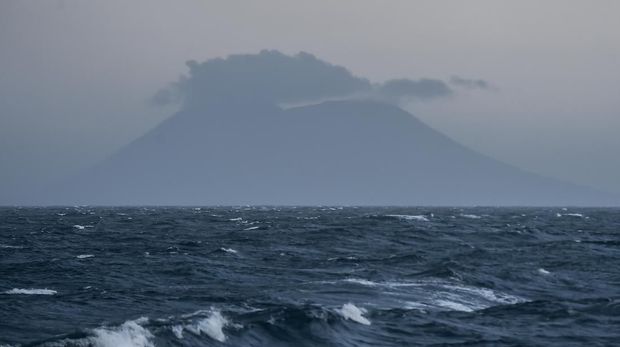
<point x="420" y="218"/>
<point x="361" y="281"/>
<point x="228" y="250"/>
<point x="471" y="216"/>
<point x="177" y="330"/>
<point x="31" y="291"/>
<point x="354" y="313"/>
<point x="84" y="256"/>
<point x="441" y="295"/>
<point x="10" y="246"/>
<point x="454" y="306"/>
<point x="579" y="215"/>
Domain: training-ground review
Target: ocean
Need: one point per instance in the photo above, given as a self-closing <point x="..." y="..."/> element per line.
<point x="309" y="276"/>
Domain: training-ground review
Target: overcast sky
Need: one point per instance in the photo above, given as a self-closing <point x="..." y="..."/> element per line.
<point x="76" y="77"/>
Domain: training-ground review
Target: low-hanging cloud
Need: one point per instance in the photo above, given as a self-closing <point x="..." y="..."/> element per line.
<point x="274" y="77"/>
<point x="470" y="83"/>
<point x="404" y="89"/>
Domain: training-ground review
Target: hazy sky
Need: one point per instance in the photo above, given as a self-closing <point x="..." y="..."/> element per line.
<point x="76" y="76"/>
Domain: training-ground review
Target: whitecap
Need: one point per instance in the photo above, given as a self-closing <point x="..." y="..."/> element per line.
<point x="471" y="216"/>
<point x="361" y="281"/>
<point x="84" y="256"/>
<point x="228" y="250"/>
<point x="212" y="326"/>
<point x="177" y="330"/>
<point x="420" y="218"/>
<point x="129" y="334"/>
<point x="82" y="227"/>
<point x="251" y="228"/>
<point x="10" y="246"/>
<point x="31" y="291"/>
<point x="354" y="313"/>
<point x="574" y="215"/>
<point x="238" y="219"/>
<point x="543" y="271"/>
<point x="388" y="284"/>
<point x="454" y="306"/>
<point x="579" y="215"/>
<point x="342" y="258"/>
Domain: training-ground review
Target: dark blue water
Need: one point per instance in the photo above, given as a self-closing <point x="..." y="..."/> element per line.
<point x="309" y="276"/>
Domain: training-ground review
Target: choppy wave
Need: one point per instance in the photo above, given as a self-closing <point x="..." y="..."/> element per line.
<point x="312" y="276"/>
<point x="200" y="327"/>
<point x="129" y="334"/>
<point x="132" y="333"/>
<point x="143" y="332"/>
<point x="211" y="326"/>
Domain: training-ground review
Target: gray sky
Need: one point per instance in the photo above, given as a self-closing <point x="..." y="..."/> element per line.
<point x="76" y="76"/>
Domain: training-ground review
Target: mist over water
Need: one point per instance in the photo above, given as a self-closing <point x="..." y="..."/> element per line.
<point x="307" y="276"/>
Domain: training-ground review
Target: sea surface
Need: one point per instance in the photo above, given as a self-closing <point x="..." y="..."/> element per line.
<point x="309" y="276"/>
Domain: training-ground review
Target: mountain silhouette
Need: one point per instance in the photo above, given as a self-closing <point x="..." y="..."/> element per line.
<point x="353" y="152"/>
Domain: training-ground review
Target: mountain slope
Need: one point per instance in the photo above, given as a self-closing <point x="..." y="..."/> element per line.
<point x="339" y="152"/>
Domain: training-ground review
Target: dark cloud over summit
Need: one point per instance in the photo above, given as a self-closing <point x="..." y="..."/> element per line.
<point x="269" y="76"/>
<point x="273" y="77"/>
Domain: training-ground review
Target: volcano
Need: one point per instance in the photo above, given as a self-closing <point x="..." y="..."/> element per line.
<point x="354" y="152"/>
